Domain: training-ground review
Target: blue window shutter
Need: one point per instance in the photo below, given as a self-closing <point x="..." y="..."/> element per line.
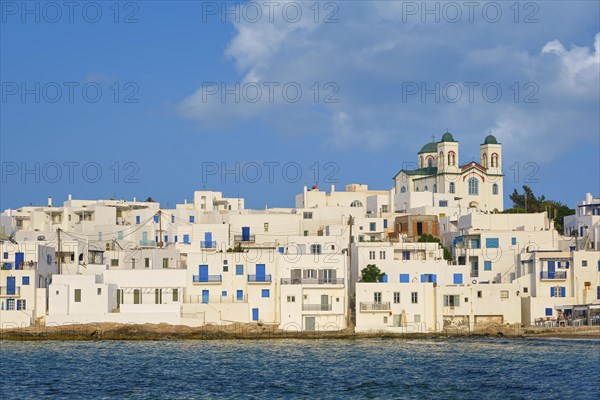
<point x="548" y="312"/>
<point x="434" y="278"/>
<point x="25" y="280"/>
<point x="423" y="279"/>
<point x="156" y="239"/>
<point x="513" y="241"/>
<point x="559" y="264"/>
<point x="175" y="238"/>
<point x="166" y="238"/>
<point x="384" y="278"/>
<point x="562" y="291"/>
<point x="598" y="289"/>
<point x="6" y="257"/>
<point x="137" y="219"/>
<point x="492" y="243"/>
<point x="552" y="294"/>
<point x="255" y="314"/>
<point x="260" y="272"/>
<point x="487" y="265"/>
<point x="384" y="223"/>
<point x="239" y="269"/>
<point x="239" y="295"/>
<point x="245" y="233"/>
<point x="404" y="278"/>
<point x="224" y="293"/>
<point x="205" y="294"/>
<point x="598" y="265"/>
<point x="192" y="218"/>
<point x="458" y="279"/>
<point x="172" y="219"/>
<point x="156" y="218"/>
<point x="266" y="293"/>
<point x="186" y="238"/>
<point x="120" y="235"/>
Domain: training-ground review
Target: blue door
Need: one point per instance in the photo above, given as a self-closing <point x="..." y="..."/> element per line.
<point x="208" y="240"/>
<point x="19" y="258"/>
<point x="245" y="233"/>
<point x="260" y="273"/>
<point x="205" y="297"/>
<point x="10" y="285"/>
<point x="203" y="271"/>
<point x="255" y="314"/>
<point x="551" y="269"/>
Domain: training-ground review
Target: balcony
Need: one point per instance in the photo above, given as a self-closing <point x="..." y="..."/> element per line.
<point x="259" y="278"/>
<point x="208" y="245"/>
<point x="311" y="281"/>
<point x="316" y="307"/>
<point x="549" y="275"/>
<point x="243" y="239"/>
<point x="375" y="306"/>
<point x="147" y="243"/>
<point x="197" y="279"/>
<point x="4" y="292"/>
<point x="199" y="299"/>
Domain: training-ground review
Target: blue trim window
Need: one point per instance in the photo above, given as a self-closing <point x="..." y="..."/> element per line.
<point x="492" y="243"/>
<point x="404" y="278"/>
<point x="5" y="255"/>
<point x="372" y="226"/>
<point x="239" y="295"/>
<point x="186" y="239"/>
<point x="487" y="265"/>
<point x="598" y="296"/>
<point x="443" y="203"/>
<point x="473" y="186"/>
<point x="458" y="279"/>
<point x="548" y="312"/>
<point x="156" y="219"/>
<point x="384" y="278"/>
<point x="385" y="224"/>
<point x="25" y="281"/>
<point x="192" y="219"/>
<point x="403" y="189"/>
<point x="239" y="269"/>
<point x="137" y="219"/>
<point x="266" y="293"/>
<point x="224" y="293"/>
<point x="513" y="241"/>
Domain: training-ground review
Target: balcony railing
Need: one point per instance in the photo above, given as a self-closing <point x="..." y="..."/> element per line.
<point x="244" y="239"/>
<point x="311" y="281"/>
<point x="375" y="306"/>
<point x="316" y="307"/>
<point x="4" y="292"/>
<point x="208" y="245"/>
<point x="207" y="279"/>
<point x="553" y="275"/>
<point x="199" y="299"/>
<point x="147" y="243"/>
<point x="259" y="278"/>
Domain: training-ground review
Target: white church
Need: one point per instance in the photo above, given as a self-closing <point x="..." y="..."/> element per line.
<point x="439" y="172"/>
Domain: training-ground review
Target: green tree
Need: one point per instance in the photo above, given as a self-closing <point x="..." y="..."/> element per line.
<point x="529" y="203"/>
<point x="371" y="273"/>
<point x="427" y="238"/>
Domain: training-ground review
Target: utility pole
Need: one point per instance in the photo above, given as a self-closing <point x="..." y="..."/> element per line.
<point x="160" y="237"/>
<point x="59" y="249"/>
<point x="349" y="279"/>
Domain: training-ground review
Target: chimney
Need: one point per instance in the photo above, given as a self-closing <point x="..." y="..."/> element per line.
<point x="332" y="187"/>
<point x="69" y="197"/>
<point x="49" y="201"/>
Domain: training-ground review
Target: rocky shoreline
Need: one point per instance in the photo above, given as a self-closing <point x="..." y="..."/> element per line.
<point x="109" y="331"/>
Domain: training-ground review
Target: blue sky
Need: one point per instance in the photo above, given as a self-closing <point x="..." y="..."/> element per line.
<point x="363" y="69"/>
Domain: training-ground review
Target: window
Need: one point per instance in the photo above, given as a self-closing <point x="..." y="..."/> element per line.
<point x="99" y="291"/>
<point x="25" y="280"/>
<point x="266" y="293"/>
<point x="372" y="226"/>
<point x="137" y="296"/>
<point x="451" y="300"/>
<point x="426" y="188"/>
<point x="175" y="294"/>
<point x="5" y="255"/>
<point x="77" y="295"/>
<point x="291" y="299"/>
<point x="385" y="319"/>
<point x="21" y="305"/>
<point x="165" y="263"/>
<point x="307" y="215"/>
<point x="435" y="188"/>
<point x="186" y="239"/>
<point x="414" y="298"/>
<point x="429" y="162"/>
<point x="525" y="290"/>
<point x="403" y="189"/>
<point x="356" y="203"/>
<point x="239" y="269"/>
<point x="451" y="158"/>
<point x="484" y="160"/>
<point x="558" y="291"/>
<point x="225" y="268"/>
<point x="584" y="263"/>
<point x="494" y="160"/>
<point x="147" y="262"/>
<point x="504" y="294"/>
<point x="239" y="295"/>
<point x="315" y="249"/>
<point x="382" y="255"/>
<point x="377" y="297"/>
<point x="487" y="265"/>
<point x="114" y="262"/>
<point x="371" y="254"/>
<point x="473" y="186"/>
<point x="598" y="294"/>
<point x="192" y="219"/>
<point x="513" y="241"/>
<point x="458" y="279"/>
<point x="404" y="278"/>
<point x="443" y="203"/>
<point x="396" y="297"/>
<point x="10" y="304"/>
<point x="479" y="294"/>
<point x="417" y="318"/>
<point x="310" y="273"/>
<point x="157" y="296"/>
<point x="492" y="243"/>
<point x="428" y="278"/>
<point x="452" y="187"/>
<point x="548" y="312"/>
<point x="385" y="220"/>
<point x="495" y="188"/>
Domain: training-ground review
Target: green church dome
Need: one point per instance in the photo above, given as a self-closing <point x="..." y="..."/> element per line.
<point x="430" y="147"/>
<point x="447" y="137"/>
<point x="490" y="139"/>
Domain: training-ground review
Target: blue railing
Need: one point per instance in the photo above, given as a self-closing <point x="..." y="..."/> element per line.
<point x="259" y="278"/>
<point x="207" y="278"/>
<point x="553" y="275"/>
